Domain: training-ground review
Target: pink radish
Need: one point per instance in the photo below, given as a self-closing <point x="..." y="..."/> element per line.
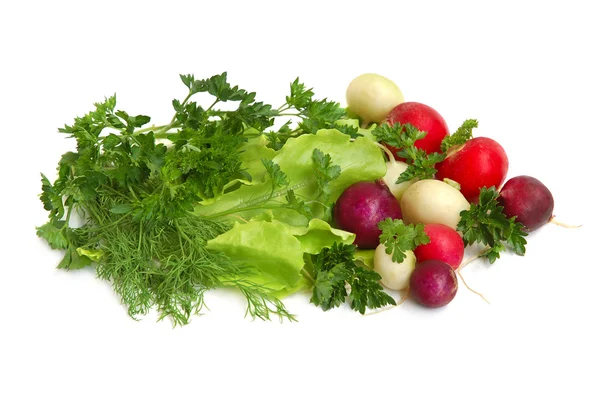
<point x="445" y="244"/>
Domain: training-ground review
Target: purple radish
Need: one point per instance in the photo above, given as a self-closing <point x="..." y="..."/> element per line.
<point x="529" y="200"/>
<point x="361" y="206"/>
<point x="433" y="283"/>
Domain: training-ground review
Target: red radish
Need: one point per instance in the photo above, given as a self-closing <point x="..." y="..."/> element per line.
<point x="529" y="200"/>
<point x="481" y="162"/>
<point x="423" y="117"/>
<point x="433" y="284"/>
<point x="445" y="244"/>
<point x="361" y="206"/>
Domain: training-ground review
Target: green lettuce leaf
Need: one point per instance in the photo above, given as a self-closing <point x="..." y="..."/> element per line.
<point x="269" y="248"/>
<point x="252" y="152"/>
<point x="275" y="251"/>
<point x="319" y="234"/>
<point x="366" y="257"/>
<point x="359" y="160"/>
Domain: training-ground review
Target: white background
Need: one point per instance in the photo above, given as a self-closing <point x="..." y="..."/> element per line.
<point x="528" y="71"/>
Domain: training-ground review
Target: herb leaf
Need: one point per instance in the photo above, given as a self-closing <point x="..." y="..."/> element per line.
<point x="420" y="164"/>
<point x="278" y="177"/>
<point x="325" y="172"/>
<point x="335" y="268"/>
<point x="463" y="134"/>
<point x="138" y="196"/>
<point x="485" y="223"/>
<point x="399" y="238"/>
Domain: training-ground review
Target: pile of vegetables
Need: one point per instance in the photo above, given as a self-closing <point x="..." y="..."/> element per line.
<point x="342" y="203"/>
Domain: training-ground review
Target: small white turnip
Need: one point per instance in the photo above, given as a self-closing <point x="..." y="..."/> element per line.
<point x="432" y="202"/>
<point x="372" y="97"/>
<point x="394" y="276"/>
<point x="394" y="169"/>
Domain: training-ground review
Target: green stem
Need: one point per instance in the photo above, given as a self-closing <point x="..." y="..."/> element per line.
<point x="173" y="122"/>
<point x="160" y="136"/>
<point x="308" y="275"/>
<point x="239" y="210"/>
<point x="212" y="105"/>
<point x="165" y="129"/>
<point x="66" y="225"/>
<point x="151" y="128"/>
<point x="289" y="114"/>
<point x="180" y="241"/>
<point x="140" y="236"/>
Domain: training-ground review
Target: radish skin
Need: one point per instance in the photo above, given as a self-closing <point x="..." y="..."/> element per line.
<point x="433" y="284"/>
<point x="394" y="276"/>
<point x="394" y="169"/>
<point x="432" y="202"/>
<point x="372" y="97"/>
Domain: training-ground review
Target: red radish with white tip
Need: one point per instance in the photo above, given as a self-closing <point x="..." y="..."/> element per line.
<point x="481" y="162"/>
<point x="424" y="118"/>
<point x="361" y="207"/>
<point x="445" y="244"/>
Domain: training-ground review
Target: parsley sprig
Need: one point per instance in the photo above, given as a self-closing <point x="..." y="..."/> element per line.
<point x="313" y="115"/>
<point x="421" y="165"/>
<point x="399" y="237"/>
<point x="335" y="268"/>
<point x="485" y="223"/>
<point x="463" y="134"/>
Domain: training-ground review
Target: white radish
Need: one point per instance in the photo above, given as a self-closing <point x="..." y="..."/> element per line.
<point x="433" y="202"/>
<point x="394" y="169"/>
<point x="394" y="276"/>
<point x="372" y="97"/>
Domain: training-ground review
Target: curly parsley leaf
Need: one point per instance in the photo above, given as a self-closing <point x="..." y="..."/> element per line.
<point x="298" y="205"/>
<point x="300" y="96"/>
<point x="366" y="291"/>
<point x="421" y="165"/>
<point x="335" y="268"/>
<point x="278" y="177"/>
<point x="397" y="135"/>
<point x="463" y="134"/>
<point x="314" y="114"/>
<point x="54" y="235"/>
<point x="325" y="172"/>
<point x="485" y="223"/>
<point x="347" y="129"/>
<point x="399" y="238"/>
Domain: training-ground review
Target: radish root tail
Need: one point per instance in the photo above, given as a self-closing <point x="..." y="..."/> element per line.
<point x="472" y="290"/>
<point x="467" y="262"/>
<point x="561" y="224"/>
<point x="389" y="307"/>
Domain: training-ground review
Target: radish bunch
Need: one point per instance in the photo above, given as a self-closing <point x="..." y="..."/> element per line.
<point x="464" y="168"/>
